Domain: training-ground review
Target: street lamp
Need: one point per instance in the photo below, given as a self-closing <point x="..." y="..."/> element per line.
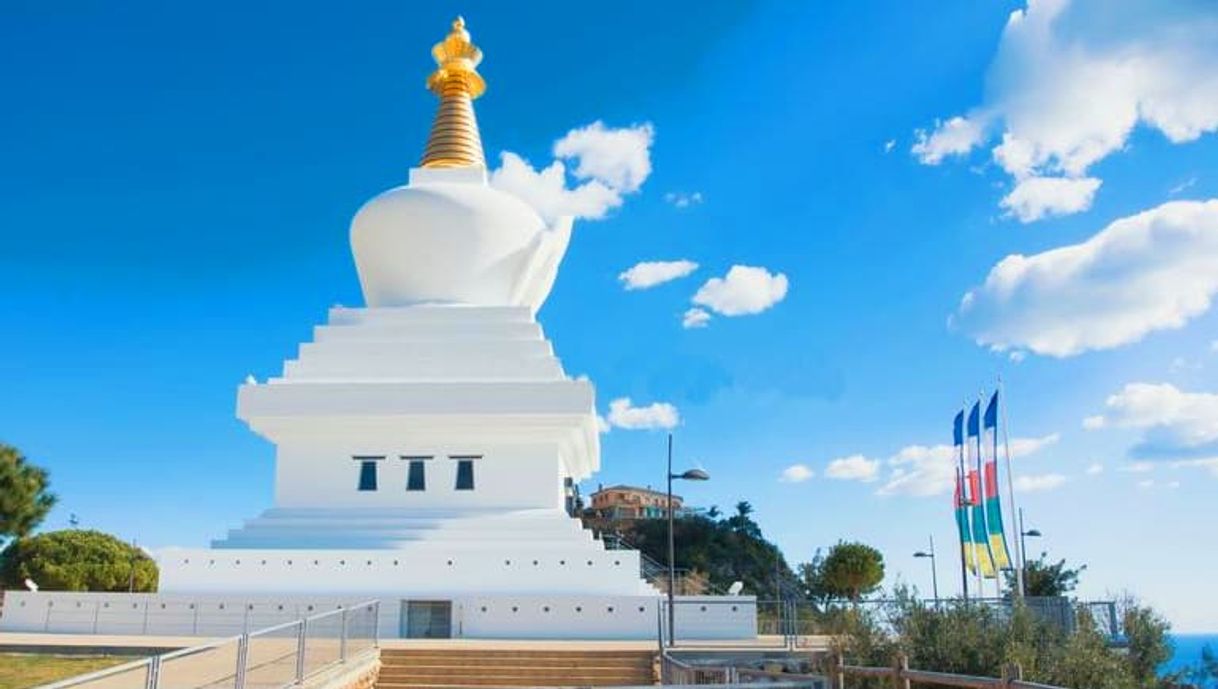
<point x="690" y="475"/>
<point x="1023" y="543"/>
<point x="934" y="570"/>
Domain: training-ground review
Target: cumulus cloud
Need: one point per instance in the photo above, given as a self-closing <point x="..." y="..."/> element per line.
<point x="1021" y="447"/>
<point x="623" y="414"/>
<point x="1151" y="271"/>
<point x="744" y="290"/>
<point x="651" y="273"/>
<point x="1174" y="423"/>
<point x="1072" y="79"/>
<point x="921" y="471"/>
<point x="929" y="470"/>
<point x="695" y="318"/>
<point x="1034" y="198"/>
<point x="607" y="164"/>
<point x="796" y="473"/>
<point x="1095" y="468"/>
<point x="1092" y="423"/>
<point x="681" y="199"/>
<point x="954" y="137"/>
<point x="1035" y="483"/>
<point x="853" y="468"/>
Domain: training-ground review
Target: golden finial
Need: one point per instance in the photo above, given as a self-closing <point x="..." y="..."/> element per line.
<point x="454" y="140"/>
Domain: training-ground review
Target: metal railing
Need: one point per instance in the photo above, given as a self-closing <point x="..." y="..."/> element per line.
<point x="280" y="656"/>
<point x="677" y="672"/>
<point x="902" y="677"/>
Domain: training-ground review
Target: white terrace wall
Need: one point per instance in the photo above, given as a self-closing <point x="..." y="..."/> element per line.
<point x="490" y="617"/>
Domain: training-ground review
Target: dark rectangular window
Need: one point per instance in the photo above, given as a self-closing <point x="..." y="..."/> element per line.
<point x="415" y="479"/>
<point x="465" y="473"/>
<point x="367" y="472"/>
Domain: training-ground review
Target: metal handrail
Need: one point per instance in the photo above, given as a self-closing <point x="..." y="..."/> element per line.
<point x="903" y="676"/>
<point x="154" y="663"/>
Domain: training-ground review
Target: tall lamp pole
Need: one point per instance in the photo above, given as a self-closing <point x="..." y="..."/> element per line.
<point x="1023" y="545"/>
<point x="690" y="475"/>
<point x="934" y="569"/>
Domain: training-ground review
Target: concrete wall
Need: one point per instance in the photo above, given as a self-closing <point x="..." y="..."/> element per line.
<point x="558" y="616"/>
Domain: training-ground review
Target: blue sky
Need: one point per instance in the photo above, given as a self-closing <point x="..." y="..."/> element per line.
<point x="177" y="184"/>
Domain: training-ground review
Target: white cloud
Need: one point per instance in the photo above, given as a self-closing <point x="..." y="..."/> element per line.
<point x="929" y="470"/>
<point x="889" y="145"/>
<point x="1092" y="423"/>
<point x="602" y="424"/>
<point x="608" y="163"/>
<point x="1017" y="356"/>
<point x="695" y="318"/>
<point x="955" y="137"/>
<point x="651" y="273"/>
<point x="1039" y="482"/>
<point x="853" y="468"/>
<point x="1138" y="468"/>
<point x="1209" y="463"/>
<point x="1182" y="187"/>
<point x="1095" y="468"/>
<point x="681" y="199"/>
<point x="744" y="290"/>
<point x="623" y="414"/>
<point x="1022" y="447"/>
<point x="1034" y="198"/>
<point x="620" y="158"/>
<point x="1214" y="346"/>
<point x="921" y="471"/>
<point x="1146" y="484"/>
<point x="1071" y="80"/>
<point x="796" y="473"/>
<point x="1174" y="423"/>
<point x="1151" y="271"/>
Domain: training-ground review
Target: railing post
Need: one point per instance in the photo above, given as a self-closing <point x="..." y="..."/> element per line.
<point x="302" y="636"/>
<point x="376" y="623"/>
<point x="1011" y="672"/>
<point x="154" y="673"/>
<point x="900" y="678"/>
<point x="243" y="649"/>
<point x="839" y="671"/>
<point x="342" y="639"/>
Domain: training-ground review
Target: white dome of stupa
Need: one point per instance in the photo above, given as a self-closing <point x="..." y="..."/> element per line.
<point x="449" y="237"/>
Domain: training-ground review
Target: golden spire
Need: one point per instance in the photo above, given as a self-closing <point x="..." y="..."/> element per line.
<point x="454" y="139"/>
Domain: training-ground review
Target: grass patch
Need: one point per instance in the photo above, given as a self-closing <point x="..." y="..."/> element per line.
<point x="24" y="670"/>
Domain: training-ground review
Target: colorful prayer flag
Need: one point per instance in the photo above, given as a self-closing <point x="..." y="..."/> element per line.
<point x="993" y="504"/>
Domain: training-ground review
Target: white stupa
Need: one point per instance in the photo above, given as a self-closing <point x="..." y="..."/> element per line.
<point x="426" y="444"/>
<point x="432" y="433"/>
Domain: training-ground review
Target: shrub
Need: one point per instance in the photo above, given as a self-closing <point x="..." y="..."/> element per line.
<point x="77" y="560"/>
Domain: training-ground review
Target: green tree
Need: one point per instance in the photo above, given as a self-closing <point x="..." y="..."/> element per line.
<point x="1044" y="578"/>
<point x="726" y="550"/>
<point x="851" y="570"/>
<point x="77" y="560"/>
<point x="24" y="499"/>
<point x="1149" y="647"/>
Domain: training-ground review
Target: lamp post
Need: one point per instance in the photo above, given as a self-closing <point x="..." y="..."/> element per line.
<point x="690" y="475"/>
<point x="1023" y="545"/>
<point x="934" y="569"/>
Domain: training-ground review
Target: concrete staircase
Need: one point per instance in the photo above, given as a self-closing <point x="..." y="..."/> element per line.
<point x="415" y="668"/>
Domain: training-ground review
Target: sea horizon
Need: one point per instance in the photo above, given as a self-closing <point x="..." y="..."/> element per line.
<point x="1186" y="650"/>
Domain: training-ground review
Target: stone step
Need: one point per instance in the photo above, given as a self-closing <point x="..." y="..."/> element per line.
<point x="518" y="681"/>
<point x="408" y="668"/>
<point x="399" y="670"/>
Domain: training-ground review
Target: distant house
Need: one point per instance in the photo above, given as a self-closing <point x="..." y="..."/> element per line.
<point x="632" y="502"/>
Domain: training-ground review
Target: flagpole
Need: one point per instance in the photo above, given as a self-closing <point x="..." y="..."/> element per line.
<point x="972" y="512"/>
<point x="960" y="506"/>
<point x="1006" y="443"/>
<point x="981" y="480"/>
